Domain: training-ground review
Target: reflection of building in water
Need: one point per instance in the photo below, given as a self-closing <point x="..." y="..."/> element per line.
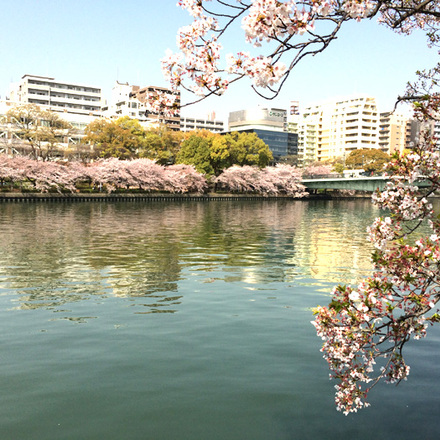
<point x="142" y="252"/>
<point x="333" y="247"/>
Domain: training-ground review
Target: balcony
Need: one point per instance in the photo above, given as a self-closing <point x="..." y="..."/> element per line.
<point x="73" y="91"/>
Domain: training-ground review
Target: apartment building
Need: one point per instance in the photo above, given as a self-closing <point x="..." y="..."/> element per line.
<point x="122" y="103"/>
<point x="335" y="128"/>
<point x="58" y="95"/>
<point x="393" y="132"/>
<point x="145" y="94"/>
<point x="132" y="101"/>
<point x="209" y="123"/>
<point x="308" y="127"/>
<point x="79" y="103"/>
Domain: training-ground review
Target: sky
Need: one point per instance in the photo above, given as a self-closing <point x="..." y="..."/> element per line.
<point x="100" y="42"/>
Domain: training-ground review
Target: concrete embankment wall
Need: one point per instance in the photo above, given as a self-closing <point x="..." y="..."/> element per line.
<point x="114" y="197"/>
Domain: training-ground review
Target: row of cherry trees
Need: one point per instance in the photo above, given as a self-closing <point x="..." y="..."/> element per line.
<point x="281" y="179"/>
<point x="145" y="175"/>
<point x="107" y="174"/>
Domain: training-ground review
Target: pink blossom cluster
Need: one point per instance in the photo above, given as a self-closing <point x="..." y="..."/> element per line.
<point x="163" y="104"/>
<point x="282" y="29"/>
<point x="358" y="9"/>
<point x="372" y="322"/>
<point x="317" y="170"/>
<point x="199" y="54"/>
<point x="280" y="179"/>
<point x="146" y="175"/>
<point x="34" y="174"/>
<point x="268" y="19"/>
<point x="110" y="174"/>
<point x="411" y="15"/>
<point x="263" y="71"/>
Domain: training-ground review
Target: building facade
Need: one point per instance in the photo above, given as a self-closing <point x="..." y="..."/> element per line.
<point x="133" y="101"/>
<point x="393" y="132"/>
<point x="146" y="94"/>
<point x="79" y="104"/>
<point x="270" y="125"/>
<point x="335" y="128"/>
<point x="56" y="95"/>
<point x="210" y="124"/>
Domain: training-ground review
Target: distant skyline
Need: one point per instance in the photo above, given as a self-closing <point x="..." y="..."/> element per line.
<point x="101" y="42"/>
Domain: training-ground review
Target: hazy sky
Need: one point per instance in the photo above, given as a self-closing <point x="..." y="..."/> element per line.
<point x="98" y="42"/>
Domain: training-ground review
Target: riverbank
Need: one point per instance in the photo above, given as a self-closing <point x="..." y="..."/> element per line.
<point x="133" y="197"/>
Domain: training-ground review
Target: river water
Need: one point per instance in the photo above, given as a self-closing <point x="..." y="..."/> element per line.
<point x="151" y="320"/>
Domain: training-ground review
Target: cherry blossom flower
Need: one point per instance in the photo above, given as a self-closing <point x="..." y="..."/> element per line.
<point x="372" y="322"/>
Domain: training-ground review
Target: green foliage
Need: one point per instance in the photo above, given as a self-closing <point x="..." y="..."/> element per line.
<point x="211" y="153"/>
<point x="248" y="149"/>
<point x="125" y="138"/>
<point x="369" y="159"/>
<point x="338" y="168"/>
<point x="161" y="145"/>
<point x="196" y="151"/>
<point x="121" y="138"/>
<point x="220" y="154"/>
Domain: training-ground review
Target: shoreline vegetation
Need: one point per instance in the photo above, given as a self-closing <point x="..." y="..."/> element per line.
<point x="25" y="179"/>
<point x="142" y="177"/>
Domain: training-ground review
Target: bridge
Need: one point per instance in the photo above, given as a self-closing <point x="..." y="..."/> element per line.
<point x="361" y="183"/>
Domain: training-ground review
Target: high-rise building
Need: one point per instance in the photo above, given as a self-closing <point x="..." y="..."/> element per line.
<point x="335" y="128"/>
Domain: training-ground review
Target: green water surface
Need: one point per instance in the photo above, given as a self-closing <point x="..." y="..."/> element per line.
<point x="151" y="320"/>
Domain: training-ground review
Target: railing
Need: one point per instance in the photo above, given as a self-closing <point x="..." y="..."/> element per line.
<point x="338" y="176"/>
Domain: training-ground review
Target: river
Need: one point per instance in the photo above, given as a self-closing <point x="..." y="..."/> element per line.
<point x="188" y="320"/>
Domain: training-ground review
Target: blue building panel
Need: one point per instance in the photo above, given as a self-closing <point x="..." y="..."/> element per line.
<point x="280" y="143"/>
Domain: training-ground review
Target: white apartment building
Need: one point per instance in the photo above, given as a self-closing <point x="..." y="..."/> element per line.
<point x="132" y="101"/>
<point x="208" y="123"/>
<point x="123" y="104"/>
<point x="79" y="103"/>
<point x="335" y="128"/>
<point x="307" y="125"/>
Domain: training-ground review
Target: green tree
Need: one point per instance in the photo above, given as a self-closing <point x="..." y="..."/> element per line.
<point x="220" y="150"/>
<point x="162" y="145"/>
<point x="338" y="167"/>
<point x="220" y="153"/>
<point x="122" y="138"/>
<point x="43" y="131"/>
<point x="369" y="159"/>
<point x="248" y="149"/>
<point x="211" y="153"/>
<point x="196" y="151"/>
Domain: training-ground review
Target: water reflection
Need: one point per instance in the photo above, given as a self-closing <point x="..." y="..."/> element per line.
<point x="55" y="254"/>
